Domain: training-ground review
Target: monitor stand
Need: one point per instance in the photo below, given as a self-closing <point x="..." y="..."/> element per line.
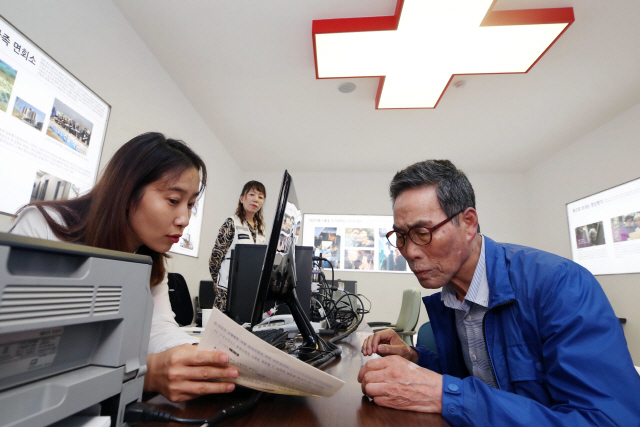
<point x="314" y="350"/>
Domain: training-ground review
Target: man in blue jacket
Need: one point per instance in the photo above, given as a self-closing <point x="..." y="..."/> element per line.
<point x="523" y="337"/>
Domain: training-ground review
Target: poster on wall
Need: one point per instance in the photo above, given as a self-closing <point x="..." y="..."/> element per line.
<point x="52" y="126"/>
<point x="189" y="242"/>
<point x="353" y="242"/>
<point x="605" y="230"/>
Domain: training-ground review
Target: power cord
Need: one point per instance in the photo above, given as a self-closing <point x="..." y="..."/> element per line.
<point x="142" y="412"/>
<point x="343" y="314"/>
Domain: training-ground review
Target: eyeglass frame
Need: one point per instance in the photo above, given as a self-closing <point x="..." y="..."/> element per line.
<point x="430" y="229"/>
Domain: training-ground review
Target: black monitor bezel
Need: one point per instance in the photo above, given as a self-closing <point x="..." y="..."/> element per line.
<point x="270" y="253"/>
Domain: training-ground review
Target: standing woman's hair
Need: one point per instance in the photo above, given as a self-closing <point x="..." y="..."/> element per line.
<point x="258" y="219"/>
<point x="100" y="217"/>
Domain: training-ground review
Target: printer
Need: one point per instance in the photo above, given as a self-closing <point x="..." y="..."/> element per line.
<point x="74" y="330"/>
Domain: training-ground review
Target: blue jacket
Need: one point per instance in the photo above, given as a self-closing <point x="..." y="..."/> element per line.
<point x="557" y="349"/>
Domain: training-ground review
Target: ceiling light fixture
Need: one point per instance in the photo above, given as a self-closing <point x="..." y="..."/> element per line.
<point x="417" y="51"/>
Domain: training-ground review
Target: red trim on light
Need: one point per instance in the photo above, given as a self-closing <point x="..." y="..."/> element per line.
<point x="355" y="25"/>
<point x="563" y="15"/>
<point x="379" y="93"/>
<point x="351" y="25"/>
<point x="315" y="51"/>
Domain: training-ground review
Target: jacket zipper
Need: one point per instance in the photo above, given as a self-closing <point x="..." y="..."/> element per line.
<point x="486" y="344"/>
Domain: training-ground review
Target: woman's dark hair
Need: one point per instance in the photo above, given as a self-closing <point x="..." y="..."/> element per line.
<point x="100" y="217"/>
<point x="453" y="188"/>
<point x="258" y="219"/>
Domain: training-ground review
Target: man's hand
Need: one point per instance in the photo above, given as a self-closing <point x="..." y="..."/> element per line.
<point x="397" y="383"/>
<point x="182" y="373"/>
<point x="388" y="343"/>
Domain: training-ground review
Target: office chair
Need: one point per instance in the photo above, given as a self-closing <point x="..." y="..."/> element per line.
<point x="406" y="296"/>
<point x="405" y="326"/>
<point x="180" y="299"/>
<point x="425" y="337"/>
<point x="206" y="294"/>
<point x="205" y="299"/>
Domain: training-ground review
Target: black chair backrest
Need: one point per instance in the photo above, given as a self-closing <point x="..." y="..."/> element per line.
<point x="180" y="299"/>
<point x="206" y="294"/>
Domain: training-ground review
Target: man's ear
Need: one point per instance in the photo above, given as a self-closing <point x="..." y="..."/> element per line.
<point x="469" y="220"/>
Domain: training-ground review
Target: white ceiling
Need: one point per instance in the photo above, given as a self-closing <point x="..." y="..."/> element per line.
<point x="247" y="67"/>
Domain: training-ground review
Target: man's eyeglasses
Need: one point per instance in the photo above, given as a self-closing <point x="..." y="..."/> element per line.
<point x="420" y="235"/>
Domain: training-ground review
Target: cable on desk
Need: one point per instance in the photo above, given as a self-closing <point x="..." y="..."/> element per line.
<point x="342" y="315"/>
<point x="142" y="412"/>
<point x="234" y="410"/>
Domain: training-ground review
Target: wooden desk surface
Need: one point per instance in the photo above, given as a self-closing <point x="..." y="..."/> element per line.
<point x="348" y="407"/>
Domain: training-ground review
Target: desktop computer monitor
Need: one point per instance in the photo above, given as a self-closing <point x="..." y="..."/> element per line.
<point x="244" y="275"/>
<point x="278" y="278"/>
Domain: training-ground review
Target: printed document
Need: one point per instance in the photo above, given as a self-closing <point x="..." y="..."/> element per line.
<point x="261" y="366"/>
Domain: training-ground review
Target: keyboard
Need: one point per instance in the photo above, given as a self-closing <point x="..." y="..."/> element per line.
<point x="272" y="336"/>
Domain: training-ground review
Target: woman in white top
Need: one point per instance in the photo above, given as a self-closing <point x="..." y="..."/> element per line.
<point x="245" y="227"/>
<point x="141" y="204"/>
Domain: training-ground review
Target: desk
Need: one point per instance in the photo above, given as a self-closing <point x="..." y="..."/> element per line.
<point x="348" y="407"/>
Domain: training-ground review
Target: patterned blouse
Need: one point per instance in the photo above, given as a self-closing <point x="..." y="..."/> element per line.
<point x="223" y="243"/>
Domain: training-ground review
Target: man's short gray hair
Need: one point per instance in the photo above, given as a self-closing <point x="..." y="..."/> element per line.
<point x="453" y="188"/>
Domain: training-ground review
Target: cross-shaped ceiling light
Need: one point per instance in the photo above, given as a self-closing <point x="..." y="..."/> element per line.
<point x="417" y="51"/>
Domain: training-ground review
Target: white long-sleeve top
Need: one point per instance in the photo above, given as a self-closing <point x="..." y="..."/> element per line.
<point x="165" y="332"/>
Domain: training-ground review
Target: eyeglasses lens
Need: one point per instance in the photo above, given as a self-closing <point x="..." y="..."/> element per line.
<point x="393" y="239"/>
<point x="420" y="235"/>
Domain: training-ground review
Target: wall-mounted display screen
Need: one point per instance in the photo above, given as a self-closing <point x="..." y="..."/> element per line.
<point x="353" y="242"/>
<point x="605" y="230"/>
<point x="52" y="126"/>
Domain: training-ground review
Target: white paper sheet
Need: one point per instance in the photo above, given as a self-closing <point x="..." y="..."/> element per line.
<point x="262" y="366"/>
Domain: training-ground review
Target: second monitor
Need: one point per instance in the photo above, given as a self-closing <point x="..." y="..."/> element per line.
<point x="244" y="276"/>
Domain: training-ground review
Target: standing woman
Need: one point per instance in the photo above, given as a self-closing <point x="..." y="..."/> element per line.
<point x="245" y="227"/>
<point x="142" y="204"/>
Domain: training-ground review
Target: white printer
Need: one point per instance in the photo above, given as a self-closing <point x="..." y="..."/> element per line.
<point x="74" y="330"/>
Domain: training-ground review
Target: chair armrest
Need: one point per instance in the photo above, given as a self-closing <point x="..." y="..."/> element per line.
<point x="382" y="329"/>
<point x="375" y="324"/>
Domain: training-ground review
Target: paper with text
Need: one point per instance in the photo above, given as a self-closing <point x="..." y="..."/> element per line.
<point x="262" y="366"/>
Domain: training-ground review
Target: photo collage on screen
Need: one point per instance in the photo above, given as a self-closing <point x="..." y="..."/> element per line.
<point x="52" y="126"/>
<point x="65" y="124"/>
<point x="359" y="248"/>
<point x="45" y="185"/>
<point x="354" y="243"/>
<point x="605" y="230"/>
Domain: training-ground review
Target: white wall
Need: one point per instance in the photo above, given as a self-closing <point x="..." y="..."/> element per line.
<point x="96" y="43"/>
<point x="602" y="159"/>
<point x="500" y="201"/>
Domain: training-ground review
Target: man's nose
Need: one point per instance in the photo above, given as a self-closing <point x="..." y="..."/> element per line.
<point x="410" y="250"/>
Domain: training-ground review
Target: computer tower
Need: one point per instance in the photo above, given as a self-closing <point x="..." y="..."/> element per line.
<point x="244" y="275"/>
